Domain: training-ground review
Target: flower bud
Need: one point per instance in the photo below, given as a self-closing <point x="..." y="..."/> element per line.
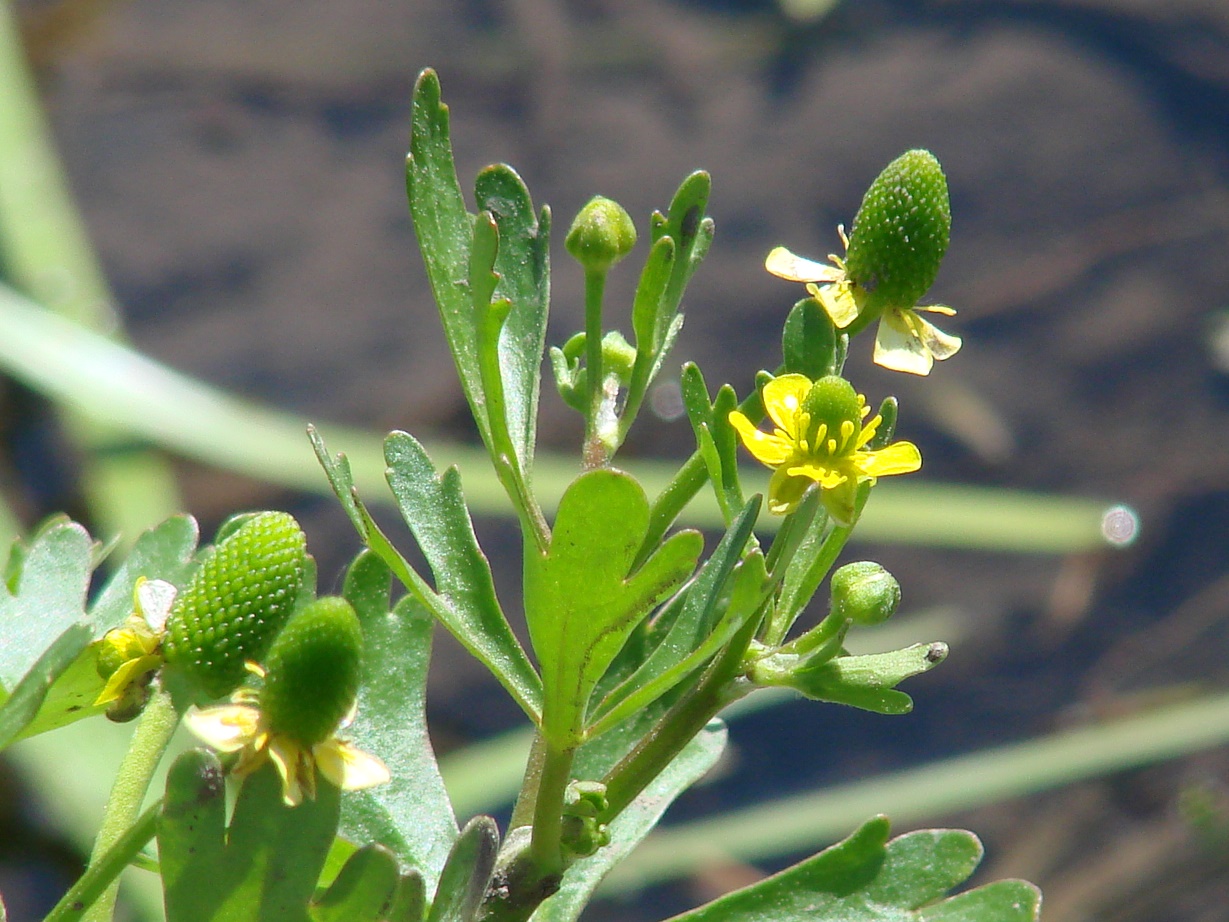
<point x="236" y="602"/>
<point x="900" y="233"/>
<point x="601" y="235"/>
<point x="864" y="593"/>
<point x="312" y="671"/>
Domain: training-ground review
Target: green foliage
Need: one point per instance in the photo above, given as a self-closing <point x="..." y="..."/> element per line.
<point x="866" y="878"/>
<point x="434" y="508"/>
<point x="639" y="643"/>
<point x="263" y="866"/>
<point x="582" y="598"/>
<point x="45" y="589"/>
<point x="411" y="814"/>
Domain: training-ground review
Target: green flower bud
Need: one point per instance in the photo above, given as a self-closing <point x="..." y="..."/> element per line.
<point x="900" y="233"/>
<point x="312" y="671"/>
<point x="236" y="602"/>
<point x="864" y="593"/>
<point x="601" y="235"/>
<point x="831" y="402"/>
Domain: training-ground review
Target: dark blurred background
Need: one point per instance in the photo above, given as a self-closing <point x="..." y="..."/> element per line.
<point x="240" y="168"/>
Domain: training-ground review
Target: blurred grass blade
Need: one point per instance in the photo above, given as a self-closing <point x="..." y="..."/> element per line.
<point x="926" y="793"/>
<point x="121" y="388"/>
<point x="47" y="254"/>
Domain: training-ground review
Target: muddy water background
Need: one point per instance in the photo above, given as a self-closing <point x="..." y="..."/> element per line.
<point x="240" y="167"/>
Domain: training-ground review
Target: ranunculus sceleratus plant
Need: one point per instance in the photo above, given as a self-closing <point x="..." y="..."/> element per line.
<point x="312" y="708"/>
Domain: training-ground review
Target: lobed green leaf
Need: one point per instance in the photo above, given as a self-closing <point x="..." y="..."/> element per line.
<point x="411" y="814"/>
<point x="866" y="878"/>
<point x="583" y="599"/>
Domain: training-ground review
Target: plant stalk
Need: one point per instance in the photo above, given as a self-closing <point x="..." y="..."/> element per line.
<point x="153" y="733"/>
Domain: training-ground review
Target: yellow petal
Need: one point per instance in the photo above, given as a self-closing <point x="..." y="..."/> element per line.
<point x="898" y="346"/>
<point x="125" y="675"/>
<point x="941" y="345"/>
<point x="786" y="265"/>
<point x="841" y="501"/>
<point x="839" y="304"/>
<point x="153" y="600"/>
<point x="897" y="458"/>
<point x="783" y="397"/>
<point x="785" y="492"/>
<point x="825" y="475"/>
<point x="298" y="772"/>
<point x="767" y="449"/>
<point x="225" y="727"/>
<point x="349" y="767"/>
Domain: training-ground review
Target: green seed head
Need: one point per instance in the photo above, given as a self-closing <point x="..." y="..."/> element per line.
<point x="312" y="672"/>
<point x="237" y="602"/>
<point x="900" y="233"/>
<point x="864" y="592"/>
<point x="833" y="403"/>
<point x="601" y="235"/>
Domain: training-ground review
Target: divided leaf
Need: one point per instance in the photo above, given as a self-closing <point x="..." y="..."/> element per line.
<point x="582" y="598"/>
<point x="522" y="263"/>
<point x="434" y="508"/>
<point x="264" y="866"/>
<point x="866" y="878"/>
<point x="411" y="814"/>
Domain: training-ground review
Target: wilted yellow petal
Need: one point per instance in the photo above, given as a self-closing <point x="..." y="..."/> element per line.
<point x="786" y="265"/>
<point x="898" y="346"/>
<point x="225" y="727"/>
<point x="349" y="767"/>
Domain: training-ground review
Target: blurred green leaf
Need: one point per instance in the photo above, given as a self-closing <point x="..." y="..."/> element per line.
<point x="261" y="868"/>
<point x="582" y="599"/>
<point x="20" y="708"/>
<point x="434" y="508"/>
<point x="48" y="599"/>
<point x="411" y="814"/>
<point x="866" y="878"/>
<point x="633" y="824"/>
<point x="467" y="872"/>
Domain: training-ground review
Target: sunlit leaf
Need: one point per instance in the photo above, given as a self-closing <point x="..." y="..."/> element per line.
<point x="866" y="878"/>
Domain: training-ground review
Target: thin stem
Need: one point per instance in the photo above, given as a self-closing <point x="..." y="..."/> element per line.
<point x="102" y="873"/>
<point x="716" y="690"/>
<point x="596" y="451"/>
<point x="149" y="742"/>
<point x="546" y="844"/>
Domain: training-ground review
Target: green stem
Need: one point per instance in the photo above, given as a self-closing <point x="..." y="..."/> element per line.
<point x="546" y="845"/>
<point x="102" y="873"/>
<point x="597" y="451"/>
<point x="149" y="742"/>
<point x="796" y="594"/>
<point x="716" y="690"/>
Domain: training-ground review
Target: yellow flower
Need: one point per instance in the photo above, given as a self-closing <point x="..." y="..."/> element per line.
<point x="820" y="438"/>
<point x="905" y="341"/>
<point x="241" y="727"/>
<point x="129" y="656"/>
